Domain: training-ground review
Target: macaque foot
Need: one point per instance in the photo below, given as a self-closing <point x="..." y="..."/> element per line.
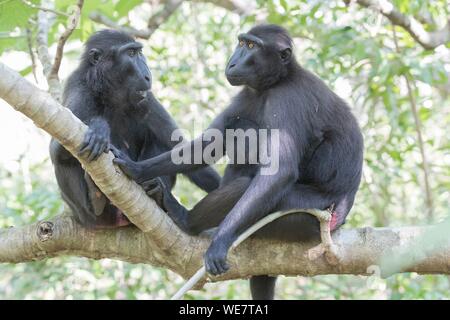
<point x="327" y="246"/>
<point x="118" y="220"/>
<point x="154" y="188"/>
<point x="122" y="220"/>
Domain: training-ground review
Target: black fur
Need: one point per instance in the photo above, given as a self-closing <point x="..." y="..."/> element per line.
<point x="321" y="153"/>
<point x="109" y="91"/>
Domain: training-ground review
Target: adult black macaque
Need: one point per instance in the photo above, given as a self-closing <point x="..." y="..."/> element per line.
<point x="320" y="154"/>
<point x="109" y="91"/>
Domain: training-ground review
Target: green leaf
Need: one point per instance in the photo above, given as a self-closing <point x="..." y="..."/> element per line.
<point x="285" y="5"/>
<point x="26" y="71"/>
<point x="124" y="6"/>
<point x="424" y="114"/>
<point x="13" y="43"/>
<point x="14" y="14"/>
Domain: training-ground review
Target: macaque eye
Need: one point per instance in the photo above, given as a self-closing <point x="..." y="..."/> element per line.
<point x="250" y="45"/>
<point x="132" y="52"/>
<point x="241" y="43"/>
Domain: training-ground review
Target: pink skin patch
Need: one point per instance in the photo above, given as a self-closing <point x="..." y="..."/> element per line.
<point x="120" y="221"/>
<point x="333" y="221"/>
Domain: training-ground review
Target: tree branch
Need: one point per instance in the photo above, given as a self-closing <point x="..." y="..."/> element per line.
<point x="420" y="141"/>
<point x="428" y="40"/>
<point x="72" y="24"/>
<point x="164" y="245"/>
<point x="102" y="19"/>
<point x="44" y="23"/>
<point x="361" y="250"/>
<point x="153" y="23"/>
<point x="31" y="53"/>
<point x="241" y="7"/>
<point x="69" y="130"/>
<point x="170" y="6"/>
<point x="31" y="5"/>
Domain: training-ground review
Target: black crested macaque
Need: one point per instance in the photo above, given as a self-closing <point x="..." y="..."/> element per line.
<point x="320" y="152"/>
<point x="110" y="92"/>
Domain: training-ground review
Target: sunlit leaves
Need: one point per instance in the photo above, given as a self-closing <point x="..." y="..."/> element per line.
<point x="14" y="14"/>
<point x="124" y="6"/>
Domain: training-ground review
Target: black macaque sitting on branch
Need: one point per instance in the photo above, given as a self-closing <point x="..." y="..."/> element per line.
<point x="110" y="92"/>
<point x="320" y="154"/>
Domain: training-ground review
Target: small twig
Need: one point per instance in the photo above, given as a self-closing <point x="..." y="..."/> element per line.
<point x="102" y="19"/>
<point x="170" y="6"/>
<point x="323" y="216"/>
<point x="31" y="53"/>
<point x="425" y="17"/>
<point x="32" y="5"/>
<point x="425" y="166"/>
<point x="153" y="22"/>
<point x="420" y="142"/>
<point x="241" y="7"/>
<point x="158" y="18"/>
<point x="428" y="40"/>
<point x="72" y="24"/>
<point x="44" y="22"/>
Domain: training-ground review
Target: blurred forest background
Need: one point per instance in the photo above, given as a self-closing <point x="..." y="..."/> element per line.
<point x="398" y="89"/>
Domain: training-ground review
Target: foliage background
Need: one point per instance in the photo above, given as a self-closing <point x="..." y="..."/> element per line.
<point x="353" y="49"/>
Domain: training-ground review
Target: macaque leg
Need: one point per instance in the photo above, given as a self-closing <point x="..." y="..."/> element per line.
<point x="108" y="216"/>
<point x="207" y="213"/>
<point x="307" y="199"/>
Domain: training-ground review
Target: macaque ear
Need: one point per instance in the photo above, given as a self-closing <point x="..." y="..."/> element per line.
<point x="284" y="47"/>
<point x="285" y="55"/>
<point x="94" y="56"/>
